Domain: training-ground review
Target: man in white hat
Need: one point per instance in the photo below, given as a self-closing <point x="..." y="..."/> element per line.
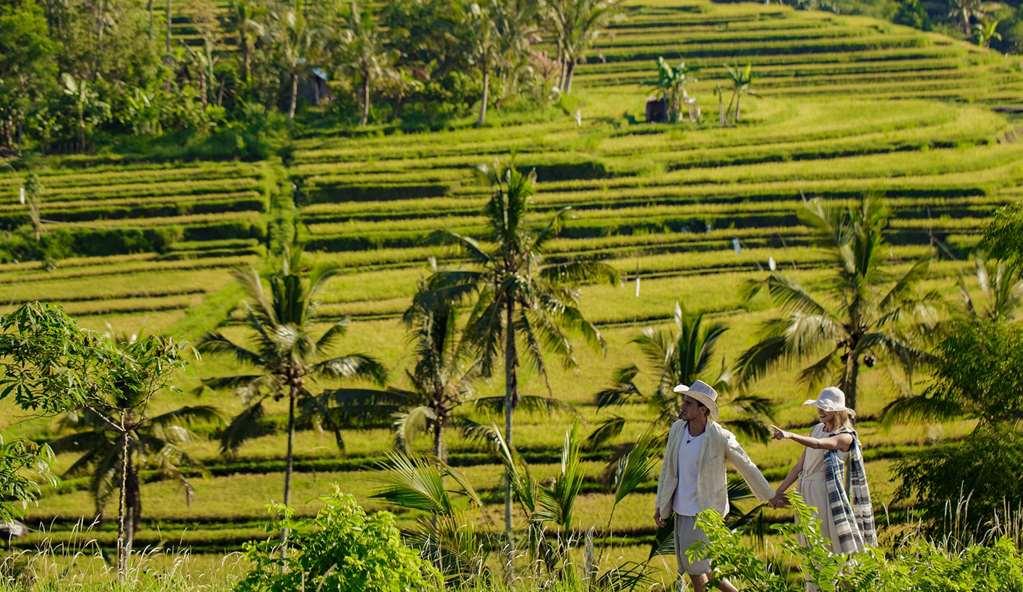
<point x="693" y="475"/>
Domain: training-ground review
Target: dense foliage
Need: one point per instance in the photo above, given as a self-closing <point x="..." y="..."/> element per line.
<point x="79" y="75"/>
<point x="343" y="549"/>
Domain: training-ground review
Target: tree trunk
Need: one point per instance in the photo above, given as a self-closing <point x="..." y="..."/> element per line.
<point x="438" y="439"/>
<point x="243" y="41"/>
<point x="738" y="98"/>
<point x="290" y="459"/>
<point x="293" y="104"/>
<point x="850" y="377"/>
<point x="486" y="97"/>
<point x="511" y="399"/>
<point x="149" y="9"/>
<point x="365" y="99"/>
<point x="122" y="548"/>
<point x="133" y="505"/>
<point x="569" y="71"/>
<point x="167" y="42"/>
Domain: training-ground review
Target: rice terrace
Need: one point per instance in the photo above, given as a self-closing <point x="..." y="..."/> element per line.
<point x="440" y="294"/>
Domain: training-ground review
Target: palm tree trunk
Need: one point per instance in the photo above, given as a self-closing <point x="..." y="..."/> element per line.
<point x="850" y="377"/>
<point x="289" y="466"/>
<point x="511" y="398"/>
<point x="569" y="71"/>
<point x="365" y="99"/>
<point x="246" y="57"/>
<point x="486" y="96"/>
<point x="122" y="549"/>
<point x="167" y="41"/>
<point x="738" y="98"/>
<point x="438" y="440"/>
<point x="293" y="104"/>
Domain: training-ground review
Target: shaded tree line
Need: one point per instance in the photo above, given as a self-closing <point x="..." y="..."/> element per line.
<point x="79" y="74"/>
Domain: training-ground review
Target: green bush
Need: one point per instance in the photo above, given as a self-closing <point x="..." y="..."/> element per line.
<point x="919" y="566"/>
<point x="343" y="549"/>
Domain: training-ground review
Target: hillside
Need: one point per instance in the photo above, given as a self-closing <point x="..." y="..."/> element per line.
<point x="844" y="107"/>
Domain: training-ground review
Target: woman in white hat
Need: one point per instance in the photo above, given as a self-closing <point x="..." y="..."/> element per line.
<point x="831" y="475"/>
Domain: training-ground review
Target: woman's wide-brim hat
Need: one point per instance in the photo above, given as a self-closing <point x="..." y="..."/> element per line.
<point x="829" y="400"/>
<point x="702" y="392"/>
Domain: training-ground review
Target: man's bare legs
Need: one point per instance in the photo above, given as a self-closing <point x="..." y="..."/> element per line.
<point x="700" y="584"/>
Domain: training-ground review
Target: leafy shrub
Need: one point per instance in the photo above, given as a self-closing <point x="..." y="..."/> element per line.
<point x="982" y="472"/>
<point x="920" y="566"/>
<point x="912" y="14"/>
<point x="342" y="549"/>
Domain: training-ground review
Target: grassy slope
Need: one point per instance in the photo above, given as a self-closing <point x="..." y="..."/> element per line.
<point x="842" y="110"/>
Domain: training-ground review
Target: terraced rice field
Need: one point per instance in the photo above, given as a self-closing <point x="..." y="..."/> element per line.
<point x="845" y="107"/>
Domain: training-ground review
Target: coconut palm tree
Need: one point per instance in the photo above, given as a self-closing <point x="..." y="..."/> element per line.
<point x="965" y="11"/>
<point x="680" y="355"/>
<point x="742" y="82"/>
<point x="443" y="377"/>
<point x="486" y="46"/>
<point x="517" y="23"/>
<point x="519" y="298"/>
<point x="294" y="39"/>
<point x="287" y="360"/>
<point x="861" y="316"/>
<point x="117" y="438"/>
<point x="364" y="53"/>
<point x="575" y="25"/>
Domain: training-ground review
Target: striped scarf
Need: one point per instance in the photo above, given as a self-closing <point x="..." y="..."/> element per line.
<point x="853" y="522"/>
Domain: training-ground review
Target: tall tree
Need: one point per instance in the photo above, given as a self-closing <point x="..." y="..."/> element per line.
<point x="517" y="23"/>
<point x="117" y="438"/>
<point x="27" y="68"/>
<point x="965" y="11"/>
<point x="485" y="49"/>
<point x="443" y="377"/>
<point x="294" y="39"/>
<point x="287" y="359"/>
<point x="864" y="313"/>
<point x="363" y="52"/>
<point x="52" y="366"/>
<point x="575" y="25"/>
<point x="519" y="299"/>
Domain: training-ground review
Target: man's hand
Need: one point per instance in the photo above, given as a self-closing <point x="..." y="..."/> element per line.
<point x="657" y="519"/>
<point x="778" y="501"/>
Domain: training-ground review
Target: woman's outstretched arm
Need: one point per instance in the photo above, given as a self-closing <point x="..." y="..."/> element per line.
<point x="837" y="442"/>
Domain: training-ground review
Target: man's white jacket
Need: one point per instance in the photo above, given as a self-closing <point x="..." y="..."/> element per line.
<point x="712" y="484"/>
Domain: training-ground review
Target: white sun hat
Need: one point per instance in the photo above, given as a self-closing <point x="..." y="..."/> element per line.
<point x="702" y="392"/>
<point x="829" y="400"/>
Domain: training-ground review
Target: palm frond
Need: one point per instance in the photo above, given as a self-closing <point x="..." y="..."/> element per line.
<point x="216" y="342"/>
<point x="606" y="431"/>
<point x="528" y="403"/>
<point x="338" y="329"/>
<point x="246" y="425"/>
<point x="902" y="288"/>
<point x="416" y="484"/>
<point x="922" y="407"/>
<point x="187" y="416"/>
<point x="625" y="577"/>
<point x="469" y="245"/>
<point x="794" y="298"/>
<point x="580" y="272"/>
<point x="352" y="366"/>
<point x="636" y="467"/>
<point x="408" y="423"/>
